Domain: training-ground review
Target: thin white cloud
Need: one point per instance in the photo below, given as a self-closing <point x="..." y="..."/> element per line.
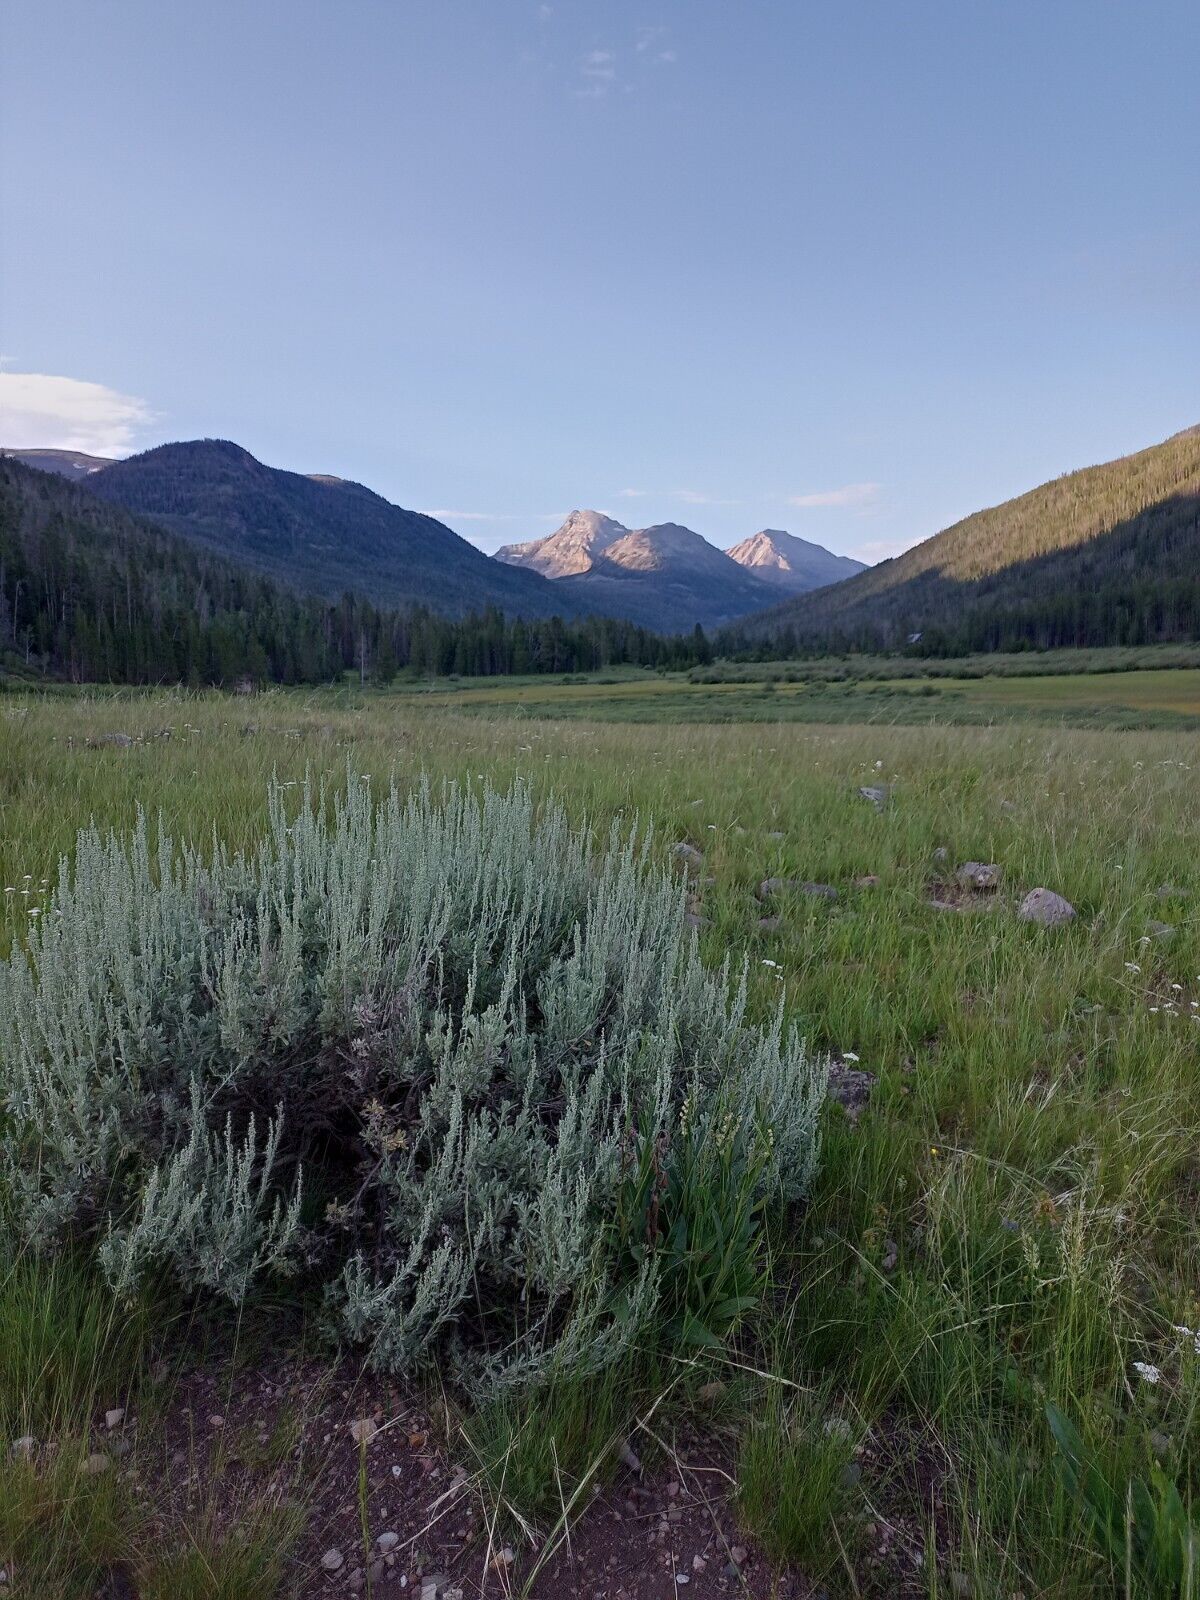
<point x="666" y="55"/>
<point x="468" y="516"/>
<point x="647" y="37"/>
<point x="54" y="413"/>
<point x="850" y="494"/>
<point x="598" y="68"/>
<point x="690" y="497"/>
<point x="497" y="516"/>
<point x="693" y="497"/>
<point x="875" y="550"/>
<point x="599" y="64"/>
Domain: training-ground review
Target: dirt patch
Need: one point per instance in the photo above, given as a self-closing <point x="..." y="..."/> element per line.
<point x="389" y="1511"/>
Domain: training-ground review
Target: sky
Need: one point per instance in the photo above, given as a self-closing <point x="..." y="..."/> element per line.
<point x="854" y="270"/>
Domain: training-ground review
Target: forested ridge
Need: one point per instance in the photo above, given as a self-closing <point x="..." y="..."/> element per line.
<point x="318" y="534"/>
<point x="90" y="593"/>
<point x="1106" y="556"/>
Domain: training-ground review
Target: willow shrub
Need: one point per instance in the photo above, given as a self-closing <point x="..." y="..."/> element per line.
<point x="442" y="1056"/>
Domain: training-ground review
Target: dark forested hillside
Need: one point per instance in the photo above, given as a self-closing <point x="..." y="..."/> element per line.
<point x="319" y="534"/>
<point x="1108" y="555"/>
<point x="90" y="593"/>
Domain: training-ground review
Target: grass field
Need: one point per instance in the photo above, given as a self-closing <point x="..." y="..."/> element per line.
<point x="1010" y="1220"/>
<point x="1156" y="698"/>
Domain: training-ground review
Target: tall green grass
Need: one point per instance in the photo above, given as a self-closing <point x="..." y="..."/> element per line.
<point x="1010" y="1223"/>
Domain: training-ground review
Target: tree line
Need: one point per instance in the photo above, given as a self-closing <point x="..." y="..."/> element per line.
<point x="91" y="594"/>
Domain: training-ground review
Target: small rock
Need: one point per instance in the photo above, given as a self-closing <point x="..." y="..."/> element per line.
<point x="363" y="1430"/>
<point x="876" y="793"/>
<point x="1160" y="930"/>
<point x="376" y="1572"/>
<point x="699" y="1564"/>
<point x="114" y="1418"/>
<point x="687" y="853"/>
<point x="629" y="1456"/>
<point x="332" y="1559"/>
<point x="890" y="1255"/>
<point x="682" y="1577"/>
<point x="850" y="1475"/>
<point x="216" y="1420"/>
<point x="356" y="1580"/>
<point x="770" y="887"/>
<point x="1047" y="909"/>
<point x="981" y="876"/>
<point x="738" y="1555"/>
<point x="119" y="1448"/>
<point x="775" y="836"/>
<point x="850" y="1087"/>
<point x="96" y="1464"/>
<point x="121" y="740"/>
<point x="867" y="881"/>
<point x="1170" y="891"/>
<point x="693" y="919"/>
<point x="387" y="1541"/>
<point x="770" y="924"/>
<point x="941" y="854"/>
<point x="24" y="1447"/>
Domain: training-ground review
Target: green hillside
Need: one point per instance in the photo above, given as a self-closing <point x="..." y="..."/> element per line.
<point x="1108" y="555"/>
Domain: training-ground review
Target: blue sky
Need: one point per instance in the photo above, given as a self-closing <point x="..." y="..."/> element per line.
<point x="850" y="269"/>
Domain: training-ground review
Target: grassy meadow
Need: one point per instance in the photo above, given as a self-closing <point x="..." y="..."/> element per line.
<point x="1003" y="1233"/>
<point x="1157" y="697"/>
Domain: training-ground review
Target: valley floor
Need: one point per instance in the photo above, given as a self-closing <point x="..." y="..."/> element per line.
<point x="1005" y="1214"/>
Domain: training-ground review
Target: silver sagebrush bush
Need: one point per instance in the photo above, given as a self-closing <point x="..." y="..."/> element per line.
<point x="413" y="1050"/>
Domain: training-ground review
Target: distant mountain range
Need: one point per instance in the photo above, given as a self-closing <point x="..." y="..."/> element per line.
<point x="793" y="565"/>
<point x="324" y="535"/>
<point x="72" y="464"/>
<point x="1106" y="555"/>
<point x="668" y="571"/>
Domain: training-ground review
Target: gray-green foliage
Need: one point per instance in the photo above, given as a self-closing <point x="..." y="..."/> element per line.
<point x="408" y="1049"/>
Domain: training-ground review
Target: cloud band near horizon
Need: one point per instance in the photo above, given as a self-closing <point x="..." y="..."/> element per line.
<point x="39" y="410"/>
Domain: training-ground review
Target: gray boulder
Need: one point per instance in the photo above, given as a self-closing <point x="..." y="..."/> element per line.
<point x="981" y="876"/>
<point x="1047" y="909"/>
<point x="691" y="858"/>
